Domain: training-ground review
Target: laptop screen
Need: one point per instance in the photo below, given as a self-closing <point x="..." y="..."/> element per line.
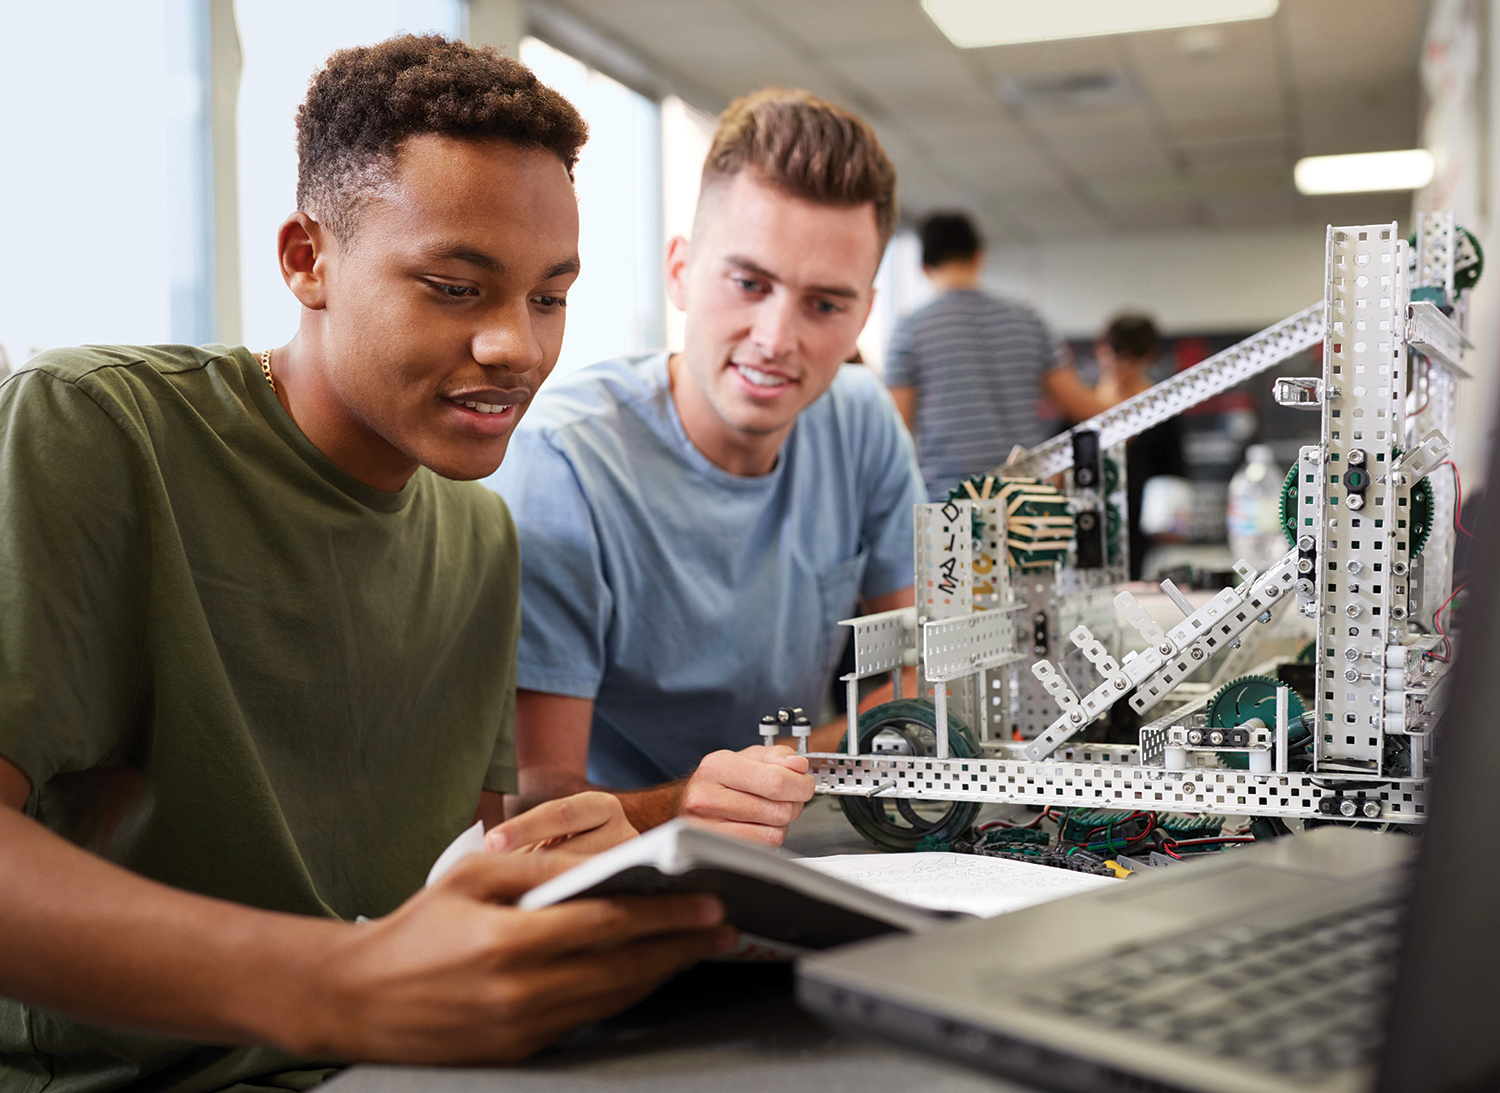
<point x="1441" y="1033"/>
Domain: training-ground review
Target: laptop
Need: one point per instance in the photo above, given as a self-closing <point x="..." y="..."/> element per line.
<point x="1337" y="960"/>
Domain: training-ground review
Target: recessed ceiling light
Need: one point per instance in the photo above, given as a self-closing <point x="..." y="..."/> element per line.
<point x="970" y="24"/>
<point x="1364" y="172"/>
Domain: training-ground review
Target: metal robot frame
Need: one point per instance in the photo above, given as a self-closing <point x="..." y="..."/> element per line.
<point x="982" y="631"/>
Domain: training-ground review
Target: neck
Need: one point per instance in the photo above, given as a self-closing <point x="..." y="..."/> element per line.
<point x="952" y="275"/>
<point x="304" y="390"/>
<point x="747" y="454"/>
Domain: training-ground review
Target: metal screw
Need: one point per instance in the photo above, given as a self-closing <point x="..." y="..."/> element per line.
<point x="1354" y="501"/>
<point x="1304" y="565"/>
<point x="1353" y="610"/>
<point x="1195" y="736"/>
<point x="1372" y="809"/>
<point x="1347" y="807"/>
<point x="1356" y="457"/>
<point x="1195" y="653"/>
<point x="1306" y="542"/>
<point x="1351" y="675"/>
<point x="1120" y="685"/>
<point x="1076" y="716"/>
<point x="1351" y="653"/>
<point x="1272" y="591"/>
<point x="1398" y="568"/>
<point x="1355" y="567"/>
<point x="1305" y="589"/>
<point x="1216" y="737"/>
<point x="1165" y="649"/>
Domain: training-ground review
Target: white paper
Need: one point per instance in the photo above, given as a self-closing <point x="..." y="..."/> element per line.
<point x="470" y="842"/>
<point x="971" y="883"/>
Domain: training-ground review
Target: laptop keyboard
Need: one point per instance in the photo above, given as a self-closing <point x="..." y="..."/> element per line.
<point x="1302" y="1000"/>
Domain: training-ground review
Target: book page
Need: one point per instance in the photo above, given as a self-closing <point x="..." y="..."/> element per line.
<point x="957" y="882"/>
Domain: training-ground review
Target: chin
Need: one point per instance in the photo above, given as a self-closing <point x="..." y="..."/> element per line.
<point x="465" y="466"/>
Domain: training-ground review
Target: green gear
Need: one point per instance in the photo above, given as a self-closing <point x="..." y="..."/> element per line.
<point x="1308" y="653"/>
<point x="1289" y="505"/>
<point x="1250" y="696"/>
<point x="1254" y="696"/>
<point x="1419" y="523"/>
<point x="1112" y="524"/>
<point x="1468" y="263"/>
<point x="1111" y="475"/>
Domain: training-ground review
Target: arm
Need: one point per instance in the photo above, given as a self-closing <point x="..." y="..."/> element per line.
<point x="906" y="405"/>
<point x="453" y="975"/>
<point x="1077" y="399"/>
<point x="752" y="794"/>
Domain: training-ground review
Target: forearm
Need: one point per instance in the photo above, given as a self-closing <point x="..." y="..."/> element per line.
<point x="644" y="808"/>
<point x="83" y="936"/>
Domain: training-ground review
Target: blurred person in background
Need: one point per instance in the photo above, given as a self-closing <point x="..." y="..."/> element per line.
<point x="1126" y="352"/>
<point x="966" y="369"/>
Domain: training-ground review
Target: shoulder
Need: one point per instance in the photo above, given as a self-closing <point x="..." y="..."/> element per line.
<point x="595" y="397"/>
<point x="857" y="404"/>
<point x="124" y="380"/>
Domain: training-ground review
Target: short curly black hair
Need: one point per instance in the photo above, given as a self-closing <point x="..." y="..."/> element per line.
<point x="366" y="101"/>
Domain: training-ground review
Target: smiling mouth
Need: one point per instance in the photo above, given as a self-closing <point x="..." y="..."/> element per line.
<point x="757" y="378"/>
<point x="487" y="407"/>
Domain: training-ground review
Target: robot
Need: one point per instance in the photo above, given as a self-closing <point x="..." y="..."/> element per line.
<point x="1016" y="582"/>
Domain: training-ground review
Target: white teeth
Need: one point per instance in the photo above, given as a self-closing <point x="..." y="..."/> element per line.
<point x="486" y="407"/>
<point x="762" y="379"/>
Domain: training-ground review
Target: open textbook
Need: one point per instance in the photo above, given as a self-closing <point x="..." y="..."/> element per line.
<point x="785" y="904"/>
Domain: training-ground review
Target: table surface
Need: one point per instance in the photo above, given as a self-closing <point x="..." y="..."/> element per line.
<point x="721" y="1027"/>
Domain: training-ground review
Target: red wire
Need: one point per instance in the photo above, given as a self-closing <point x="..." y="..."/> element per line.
<point x="1437" y="623"/>
<point x="1458" y="500"/>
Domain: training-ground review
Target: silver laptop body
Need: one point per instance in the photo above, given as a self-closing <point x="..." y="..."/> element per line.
<point x="1261" y="970"/>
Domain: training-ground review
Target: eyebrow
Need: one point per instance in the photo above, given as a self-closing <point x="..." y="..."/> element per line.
<point x="842" y="291"/>
<point x="458" y="252"/>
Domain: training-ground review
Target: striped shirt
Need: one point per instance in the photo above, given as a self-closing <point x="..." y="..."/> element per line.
<point x="975" y="362"/>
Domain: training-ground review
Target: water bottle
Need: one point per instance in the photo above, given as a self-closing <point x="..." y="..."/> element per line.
<point x="1254" y="522"/>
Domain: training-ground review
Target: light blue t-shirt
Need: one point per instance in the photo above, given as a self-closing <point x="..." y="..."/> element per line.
<point x="688" y="602"/>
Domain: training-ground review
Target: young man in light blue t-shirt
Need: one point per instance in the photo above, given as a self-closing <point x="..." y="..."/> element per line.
<point x="693" y="526"/>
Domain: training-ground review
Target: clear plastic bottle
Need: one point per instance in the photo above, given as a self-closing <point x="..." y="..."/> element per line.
<point x="1254" y="521"/>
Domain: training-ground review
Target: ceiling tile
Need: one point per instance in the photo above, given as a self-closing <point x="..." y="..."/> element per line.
<point x="838" y="27"/>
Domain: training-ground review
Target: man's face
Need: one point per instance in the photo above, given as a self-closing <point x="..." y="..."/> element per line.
<point x="776" y="290"/>
<point x="444" y="313"/>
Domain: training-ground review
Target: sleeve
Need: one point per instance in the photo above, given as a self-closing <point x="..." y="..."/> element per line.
<point x="901" y="361"/>
<point x="76" y="570"/>
<point x="1048" y="359"/>
<point x="892" y="486"/>
<point x="566" y="603"/>
<point x="501" y="776"/>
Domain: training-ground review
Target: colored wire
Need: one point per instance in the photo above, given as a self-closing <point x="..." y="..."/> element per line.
<point x="1458" y="500"/>
<point x="1437" y="617"/>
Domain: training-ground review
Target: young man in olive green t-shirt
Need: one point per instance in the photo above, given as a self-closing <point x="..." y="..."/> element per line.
<point x="257" y="639"/>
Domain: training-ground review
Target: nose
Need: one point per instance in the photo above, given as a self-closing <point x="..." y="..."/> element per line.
<point x="508" y="340"/>
<point x="774" y="333"/>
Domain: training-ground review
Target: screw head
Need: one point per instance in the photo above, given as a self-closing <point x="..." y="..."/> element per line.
<point x="1351" y="675"/>
<point x="1120" y="685"/>
<point x="1216" y="737"/>
<point x="1371" y="809"/>
<point x="1354" y="501"/>
<point x="1353" y="610"/>
<point x="1347" y="807"/>
<point x="1076" y="716"/>
<point x="1306" y="542"/>
<point x="1165" y="649"/>
<point x="1351" y="653"/>
<point x="1357" y="457"/>
<point x="1398" y="568"/>
<point x="1398" y="612"/>
<point x="1195" y="736"/>
<point x="1195" y="653"/>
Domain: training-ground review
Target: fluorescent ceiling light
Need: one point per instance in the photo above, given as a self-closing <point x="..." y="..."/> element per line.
<point x="970" y="24"/>
<point x="1364" y="172"/>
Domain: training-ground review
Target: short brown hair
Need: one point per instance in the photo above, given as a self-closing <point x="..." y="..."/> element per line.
<point x="366" y="101"/>
<point x="808" y="148"/>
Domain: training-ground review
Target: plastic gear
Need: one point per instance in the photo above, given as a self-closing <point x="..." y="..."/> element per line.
<point x="1289" y="505"/>
<point x="1250" y="696"/>
<point x="1308" y="653"/>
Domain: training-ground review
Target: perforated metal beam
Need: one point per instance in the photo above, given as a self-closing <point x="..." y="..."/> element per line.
<point x="1182" y="392"/>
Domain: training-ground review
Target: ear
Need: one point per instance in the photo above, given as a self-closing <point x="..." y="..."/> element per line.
<point x="679" y="254"/>
<point x="305" y="249"/>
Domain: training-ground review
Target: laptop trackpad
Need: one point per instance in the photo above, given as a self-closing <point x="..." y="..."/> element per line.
<point x="1235" y="889"/>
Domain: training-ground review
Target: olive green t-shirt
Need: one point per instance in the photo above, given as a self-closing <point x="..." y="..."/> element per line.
<point x="230" y="667"/>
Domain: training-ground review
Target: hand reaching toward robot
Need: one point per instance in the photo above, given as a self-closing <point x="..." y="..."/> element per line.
<point x="749" y="794"/>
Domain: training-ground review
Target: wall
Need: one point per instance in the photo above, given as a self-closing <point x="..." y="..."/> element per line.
<point x="1192" y="282"/>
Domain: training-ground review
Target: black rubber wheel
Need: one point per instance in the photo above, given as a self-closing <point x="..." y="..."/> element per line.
<point x="908" y="726"/>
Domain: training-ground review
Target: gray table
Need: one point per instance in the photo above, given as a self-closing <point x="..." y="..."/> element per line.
<point x="719" y="1028"/>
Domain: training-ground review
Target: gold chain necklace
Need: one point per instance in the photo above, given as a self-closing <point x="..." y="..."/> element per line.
<point x="265" y="368"/>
